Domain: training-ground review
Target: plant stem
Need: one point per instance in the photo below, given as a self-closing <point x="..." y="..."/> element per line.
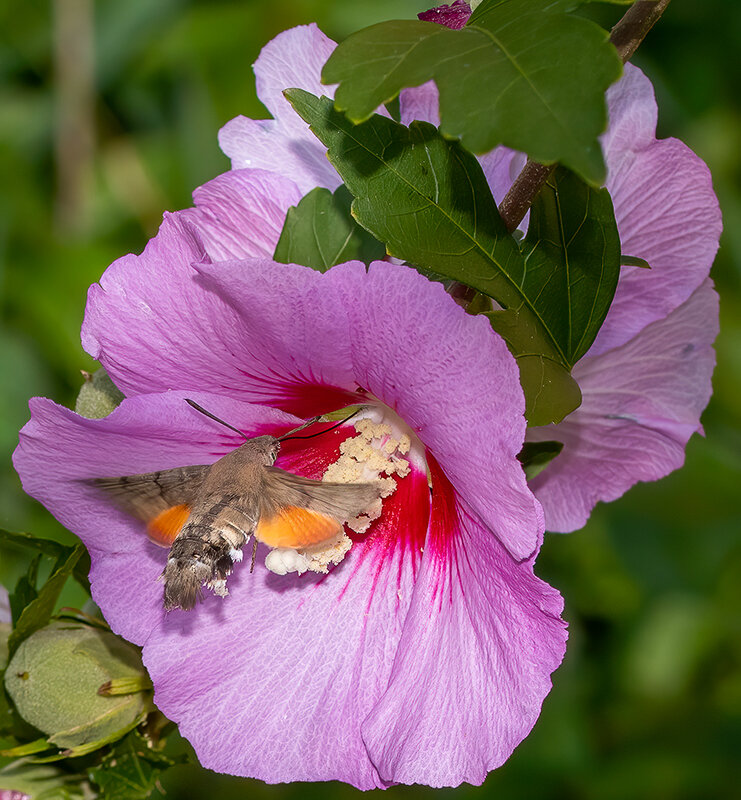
<point x="635" y="25"/>
<point x="627" y="34"/>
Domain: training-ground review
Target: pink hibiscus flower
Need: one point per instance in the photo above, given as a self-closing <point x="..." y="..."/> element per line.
<point x="646" y="379"/>
<point x="425" y="655"/>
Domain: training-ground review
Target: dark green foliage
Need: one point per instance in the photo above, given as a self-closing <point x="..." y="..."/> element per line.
<point x="536" y="456"/>
<point x="130" y="770"/>
<point x="320" y="232"/>
<point x="522" y="73"/>
<point x="572" y="260"/>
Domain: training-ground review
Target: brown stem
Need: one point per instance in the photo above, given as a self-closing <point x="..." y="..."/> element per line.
<point x="629" y="32"/>
<point x="635" y="25"/>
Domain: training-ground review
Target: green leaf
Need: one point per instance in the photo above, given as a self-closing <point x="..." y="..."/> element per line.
<point x="536" y="456"/>
<point x="25" y="589"/>
<point x="41" y="782"/>
<point x="27" y="749"/>
<point x="550" y="391"/>
<point x="130" y="771"/>
<point x="572" y="257"/>
<point x="47" y="547"/>
<point x="522" y="73"/>
<point x="634" y="261"/>
<point x="38" y="612"/>
<point x="428" y="199"/>
<point x="394" y="108"/>
<point x="320" y="232"/>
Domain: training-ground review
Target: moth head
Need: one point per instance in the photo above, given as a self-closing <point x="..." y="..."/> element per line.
<point x="261" y="449"/>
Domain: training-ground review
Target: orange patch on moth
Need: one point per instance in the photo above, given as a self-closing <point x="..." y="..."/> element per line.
<point x="297" y="527"/>
<point x="163" y="529"/>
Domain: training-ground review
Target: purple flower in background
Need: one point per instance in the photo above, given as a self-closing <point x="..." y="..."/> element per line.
<point x="453" y="16"/>
<point x="646" y="379"/>
<point x="425" y="655"/>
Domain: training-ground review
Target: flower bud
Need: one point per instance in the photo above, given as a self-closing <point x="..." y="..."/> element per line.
<point x="98" y="395"/>
<point x="55" y="680"/>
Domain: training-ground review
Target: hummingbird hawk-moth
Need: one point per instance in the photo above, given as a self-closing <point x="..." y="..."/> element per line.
<point x="207" y="513"/>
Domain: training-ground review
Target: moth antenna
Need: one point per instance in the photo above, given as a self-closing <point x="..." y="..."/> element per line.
<point x="208" y="414"/>
<point x="254" y="554"/>
<point x="311" y="422"/>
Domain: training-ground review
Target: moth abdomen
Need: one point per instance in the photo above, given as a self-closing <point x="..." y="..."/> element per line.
<point x="205" y="551"/>
<point x="184" y="579"/>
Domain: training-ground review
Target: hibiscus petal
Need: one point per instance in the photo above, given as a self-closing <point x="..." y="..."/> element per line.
<point x="474" y="661"/>
<point x="147" y="312"/>
<point x="60" y="450"/>
<point x="134" y="325"/>
<point x="402" y="338"/>
<point x="285" y="145"/>
<point x="293" y="60"/>
<point x="241" y="213"/>
<point x="641" y="403"/>
<point x="453" y="16"/>
<point x="665" y="208"/>
<point x="275" y="681"/>
<point x="420" y="102"/>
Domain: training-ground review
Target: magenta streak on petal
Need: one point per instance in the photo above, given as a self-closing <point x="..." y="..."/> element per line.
<point x="444" y="527"/>
<point x="309" y="399"/>
<point x="399" y="533"/>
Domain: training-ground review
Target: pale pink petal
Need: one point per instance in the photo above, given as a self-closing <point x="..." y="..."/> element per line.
<point x="4" y="606"/>
<point x="241" y="213"/>
<point x="293" y="60"/>
<point x="285" y="145"/>
<point x="473" y="665"/>
<point x="665" y="208"/>
<point x="265" y="145"/>
<point x="299" y="660"/>
<point x="420" y="102"/>
<point x="151" y="326"/>
<point x="641" y="403"/>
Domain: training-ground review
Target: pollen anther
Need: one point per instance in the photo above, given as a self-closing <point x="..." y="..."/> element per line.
<point x="375" y="454"/>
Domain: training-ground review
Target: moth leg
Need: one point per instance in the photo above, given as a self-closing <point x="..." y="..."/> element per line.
<point x="254" y="555"/>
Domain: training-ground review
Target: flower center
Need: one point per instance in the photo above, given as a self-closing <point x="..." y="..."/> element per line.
<point x="381" y="449"/>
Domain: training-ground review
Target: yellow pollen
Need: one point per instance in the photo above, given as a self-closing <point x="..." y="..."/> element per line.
<point x="373" y="455"/>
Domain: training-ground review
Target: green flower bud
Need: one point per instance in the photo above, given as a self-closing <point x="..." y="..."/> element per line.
<point x="98" y="395"/>
<point x="60" y="677"/>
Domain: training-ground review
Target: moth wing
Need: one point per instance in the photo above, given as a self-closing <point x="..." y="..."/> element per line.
<point x="300" y="512"/>
<point x="165" y="527"/>
<point x="297" y="527"/>
<point x="161" y="499"/>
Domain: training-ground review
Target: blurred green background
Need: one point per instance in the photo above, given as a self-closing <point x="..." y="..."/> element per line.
<point x="108" y="116"/>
